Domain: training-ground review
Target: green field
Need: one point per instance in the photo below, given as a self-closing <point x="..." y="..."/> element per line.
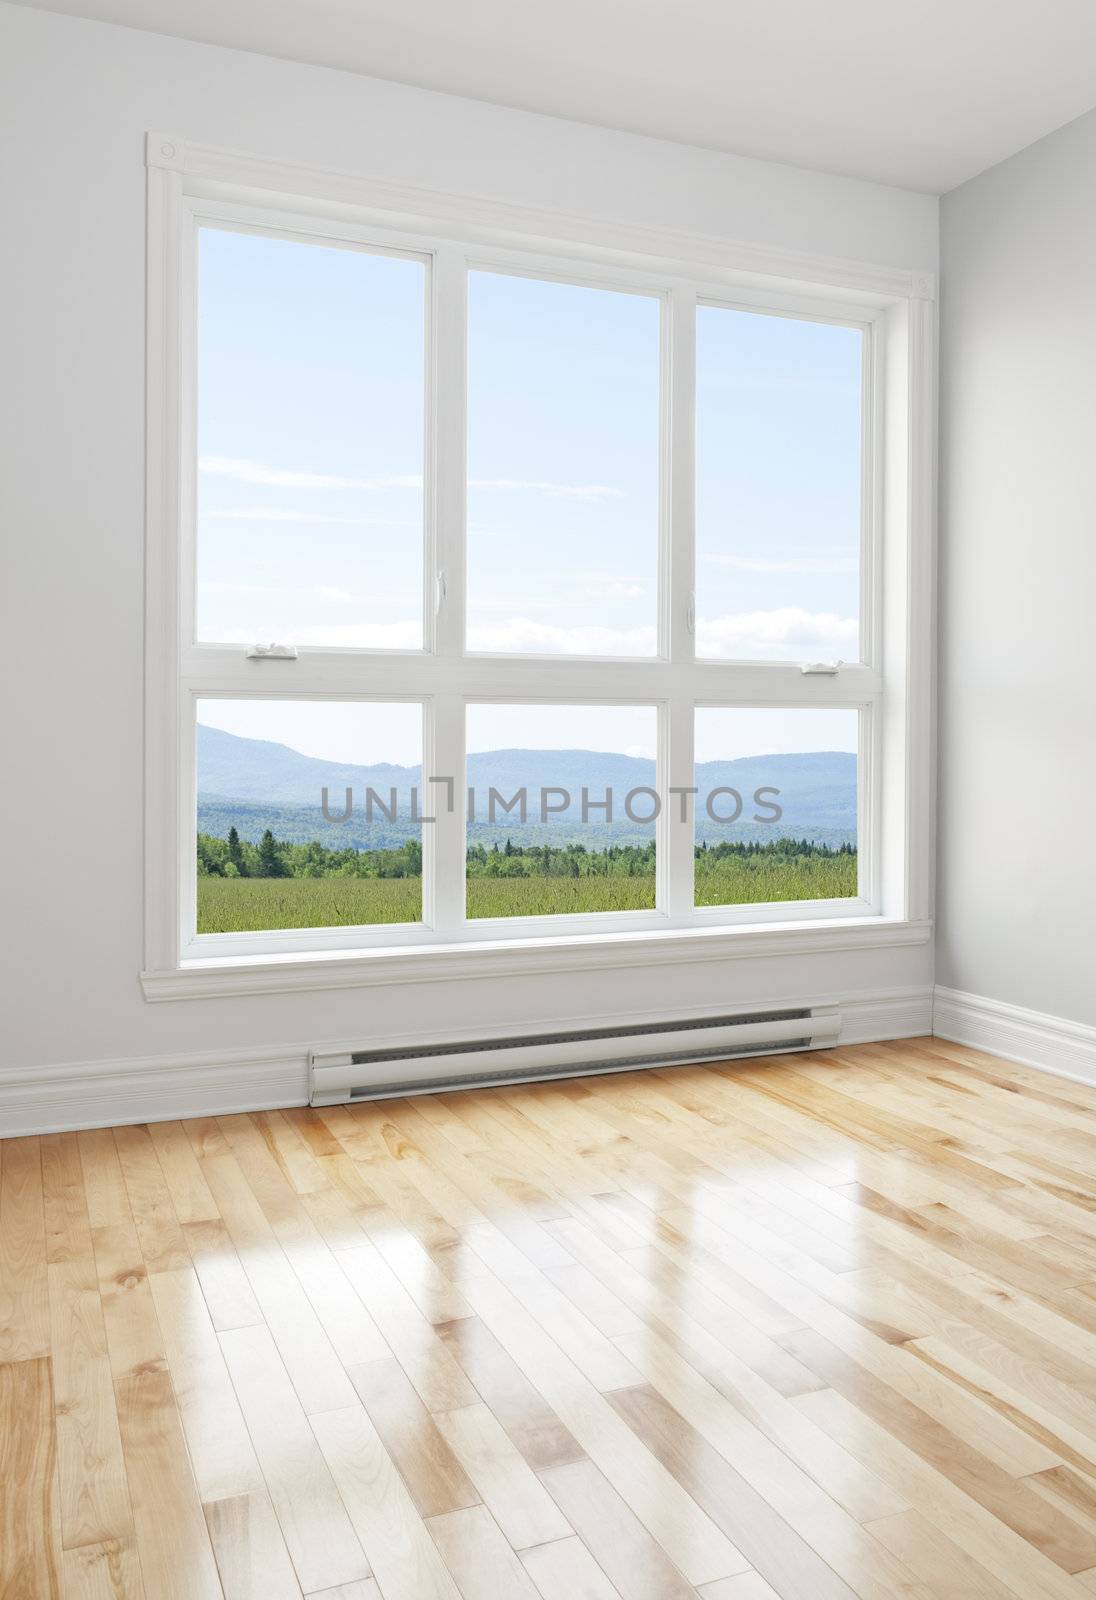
<point x="249" y="905"/>
<point x="760" y="879"/>
<point x="244" y="905"/>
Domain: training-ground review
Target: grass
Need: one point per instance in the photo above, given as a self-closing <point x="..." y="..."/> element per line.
<point x="246" y="905"/>
<point x="559" y="897"/>
<point x="757" y="880"/>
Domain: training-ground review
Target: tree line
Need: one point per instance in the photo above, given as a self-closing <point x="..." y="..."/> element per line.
<point x="278" y="858"/>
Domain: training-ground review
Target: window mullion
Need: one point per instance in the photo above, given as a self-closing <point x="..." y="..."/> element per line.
<point x="444" y="800"/>
<point x="678" y="830"/>
<point x="679" y="477"/>
<point x="678" y="608"/>
<point x="443" y="757"/>
<point x="447" y="408"/>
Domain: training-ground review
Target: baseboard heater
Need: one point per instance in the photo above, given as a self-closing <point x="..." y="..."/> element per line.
<point x="337" y="1076"/>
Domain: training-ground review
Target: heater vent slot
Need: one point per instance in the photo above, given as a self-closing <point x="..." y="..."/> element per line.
<point x="431" y="1067"/>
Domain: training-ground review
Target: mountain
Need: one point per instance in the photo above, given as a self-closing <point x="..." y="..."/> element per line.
<point x="257" y="769"/>
<point x="253" y="784"/>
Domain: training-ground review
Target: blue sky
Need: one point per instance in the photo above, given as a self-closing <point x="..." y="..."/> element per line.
<point x="310" y="424"/>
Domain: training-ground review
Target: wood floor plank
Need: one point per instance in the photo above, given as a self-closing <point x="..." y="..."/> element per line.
<point x="412" y="1339"/>
<point x="565" y="1568"/>
<point x="479" y="1557"/>
<point x="768" y="1542"/>
<point x="68" y="1232"/>
<point x="525" y="1416"/>
<point x="614" y="1535"/>
<point x="364" y="1589"/>
<point x="793" y="1328"/>
<point x="763" y="1403"/>
<point x="595" y="1356"/>
<point x="162" y="1242"/>
<point x="685" y="1310"/>
<point x="412" y="1437"/>
<point x="252" y="1559"/>
<point x="1074" y="1491"/>
<point x="830" y="1531"/>
<point x="988" y="1542"/>
<point x="172" y="1540"/>
<point x="510" y="1489"/>
<point x="24" y="1292"/>
<point x="189" y="1191"/>
<point x="665" y="1510"/>
<point x="104" y="1185"/>
<point x="404" y="1557"/>
<point x="94" y="1493"/>
<point x="750" y="1586"/>
<point x="135" y="1341"/>
<point x="935" y="1558"/>
<point x="1010" y="1500"/>
<point x="30" y="1562"/>
<point x="314" y="1522"/>
<point x="817" y="1306"/>
<point x="220" y="1447"/>
<point x="350" y="1330"/>
<point x="109" y="1570"/>
<point x="228" y="1295"/>
<point x="315" y="1369"/>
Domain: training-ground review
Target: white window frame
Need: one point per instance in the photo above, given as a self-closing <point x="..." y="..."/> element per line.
<point x="191" y="185"/>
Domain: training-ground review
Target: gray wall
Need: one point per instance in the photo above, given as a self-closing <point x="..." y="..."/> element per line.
<point x="1016" y="898"/>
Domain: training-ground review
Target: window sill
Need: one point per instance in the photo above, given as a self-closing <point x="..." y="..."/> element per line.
<point x="446" y="963"/>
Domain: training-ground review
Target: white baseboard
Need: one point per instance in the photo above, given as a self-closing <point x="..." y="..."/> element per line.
<point x="1033" y="1038"/>
<point x="97" y="1094"/>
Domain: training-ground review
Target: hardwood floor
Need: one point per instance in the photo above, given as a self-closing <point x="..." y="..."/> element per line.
<point x="812" y="1328"/>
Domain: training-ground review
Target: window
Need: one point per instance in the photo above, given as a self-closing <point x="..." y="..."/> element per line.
<point x="304" y="814"/>
<point x="777" y="805"/>
<point x="563" y="467"/>
<point x="504" y="597"/>
<point x="779" y="447"/>
<point x="310" y="443"/>
<point x="561" y="810"/>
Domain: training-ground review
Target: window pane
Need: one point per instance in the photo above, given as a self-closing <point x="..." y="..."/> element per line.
<point x="533" y="771"/>
<point x="268" y="855"/>
<point x="776" y="812"/>
<point x="310" y="444"/>
<point x="778" y="488"/>
<point x="563" y="468"/>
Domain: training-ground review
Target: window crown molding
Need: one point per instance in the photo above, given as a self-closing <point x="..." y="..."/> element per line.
<point x="472" y="215"/>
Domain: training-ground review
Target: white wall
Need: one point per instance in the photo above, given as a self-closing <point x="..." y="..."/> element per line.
<point x="1016" y="900"/>
<point x="76" y="99"/>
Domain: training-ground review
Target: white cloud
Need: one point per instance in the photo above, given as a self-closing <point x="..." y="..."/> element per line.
<point x="522" y="635"/>
<point x="339" y="636"/>
<point x="328" y="592"/>
<point x="790" y="632"/>
<point x="242" y="470"/>
<point x="815" y="564"/>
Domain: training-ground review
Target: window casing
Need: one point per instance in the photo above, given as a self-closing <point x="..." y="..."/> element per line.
<point x="888" y="687"/>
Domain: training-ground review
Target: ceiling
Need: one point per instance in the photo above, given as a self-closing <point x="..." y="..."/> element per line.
<point x="923" y="94"/>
